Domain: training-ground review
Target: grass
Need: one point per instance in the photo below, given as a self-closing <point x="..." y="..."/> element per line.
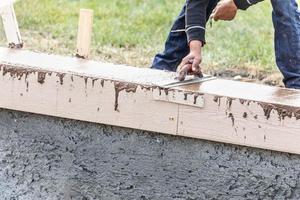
<point x="132" y="31"/>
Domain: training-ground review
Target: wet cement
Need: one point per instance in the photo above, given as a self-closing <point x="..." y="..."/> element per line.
<point x="50" y="158"/>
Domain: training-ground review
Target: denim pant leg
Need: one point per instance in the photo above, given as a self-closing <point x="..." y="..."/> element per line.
<point x="176" y="46"/>
<point x="286" y="20"/>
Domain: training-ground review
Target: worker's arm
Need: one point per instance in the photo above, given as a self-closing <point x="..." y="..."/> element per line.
<point x="195" y="30"/>
<point x="196" y="19"/>
<point x="244" y="4"/>
<point x="227" y="9"/>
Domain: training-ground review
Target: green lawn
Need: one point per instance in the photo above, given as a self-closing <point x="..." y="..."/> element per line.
<point x="132" y="31"/>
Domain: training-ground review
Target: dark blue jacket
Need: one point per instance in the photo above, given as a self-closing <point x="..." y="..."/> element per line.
<point x="196" y="16"/>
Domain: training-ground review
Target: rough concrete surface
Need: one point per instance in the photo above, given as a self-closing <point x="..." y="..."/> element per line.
<point x="49" y="158"/>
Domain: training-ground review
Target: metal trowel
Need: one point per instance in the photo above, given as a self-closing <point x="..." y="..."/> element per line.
<point x="183" y="77"/>
<point x="188" y="80"/>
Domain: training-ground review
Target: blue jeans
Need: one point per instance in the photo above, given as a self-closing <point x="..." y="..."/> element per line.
<point x="176" y="46"/>
<point x="286" y="20"/>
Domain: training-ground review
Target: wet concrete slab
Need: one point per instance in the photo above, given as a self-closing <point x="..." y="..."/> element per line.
<point x="55" y="63"/>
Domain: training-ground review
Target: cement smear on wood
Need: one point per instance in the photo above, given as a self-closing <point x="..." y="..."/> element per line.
<point x="50" y="158"/>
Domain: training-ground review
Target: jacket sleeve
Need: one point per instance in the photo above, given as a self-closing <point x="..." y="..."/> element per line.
<point x="244" y="4"/>
<point x="196" y="19"/>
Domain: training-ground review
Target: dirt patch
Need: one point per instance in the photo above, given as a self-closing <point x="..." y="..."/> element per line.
<point x="249" y="75"/>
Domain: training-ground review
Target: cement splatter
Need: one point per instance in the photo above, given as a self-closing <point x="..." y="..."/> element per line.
<point x="230" y="115"/>
<point x="120" y="86"/>
<point x="79" y="56"/>
<point x="195" y="98"/>
<point x="165" y="90"/>
<point x="27" y="86"/>
<point x="41" y="77"/>
<point x="229" y="102"/>
<point x="93" y="81"/>
<point x="102" y="82"/>
<point x="147" y="88"/>
<point x="85" y="78"/>
<point x="282" y="111"/>
<point x="15" y="72"/>
<point x="15" y="46"/>
<point x="217" y="99"/>
<point x="61" y="77"/>
<point x="185" y="96"/>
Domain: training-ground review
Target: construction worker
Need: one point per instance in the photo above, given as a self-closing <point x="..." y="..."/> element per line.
<point x="187" y="36"/>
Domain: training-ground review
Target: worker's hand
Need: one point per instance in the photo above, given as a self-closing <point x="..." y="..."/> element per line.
<point x="225" y="10"/>
<point x="190" y="65"/>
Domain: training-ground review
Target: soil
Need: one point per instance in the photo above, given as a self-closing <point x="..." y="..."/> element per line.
<point x="263" y="77"/>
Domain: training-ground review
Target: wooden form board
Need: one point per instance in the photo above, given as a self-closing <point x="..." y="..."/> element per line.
<point x="232" y="112"/>
<point x="11" y="26"/>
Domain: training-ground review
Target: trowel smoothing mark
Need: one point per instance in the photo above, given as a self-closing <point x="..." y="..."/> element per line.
<point x="120" y="86"/>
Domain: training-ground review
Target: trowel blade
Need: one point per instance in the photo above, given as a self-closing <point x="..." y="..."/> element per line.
<point x="189" y="80"/>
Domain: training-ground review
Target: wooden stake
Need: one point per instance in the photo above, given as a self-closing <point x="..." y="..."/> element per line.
<point x="11" y="27"/>
<point x="84" y="33"/>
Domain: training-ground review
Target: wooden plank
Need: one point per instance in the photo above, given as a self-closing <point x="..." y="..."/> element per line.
<point x="179" y="98"/>
<point x="240" y="122"/>
<point x="84" y="98"/>
<point x="228" y="111"/>
<point x="245" y="114"/>
<point x="84" y="33"/>
<point x="11" y="27"/>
